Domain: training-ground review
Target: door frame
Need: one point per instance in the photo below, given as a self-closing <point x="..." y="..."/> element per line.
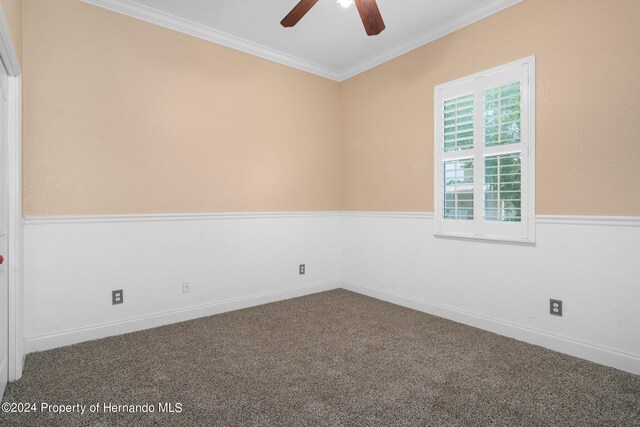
<point x="10" y="61"/>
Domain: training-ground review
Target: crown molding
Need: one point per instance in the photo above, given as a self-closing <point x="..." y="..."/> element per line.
<point x="475" y="14"/>
<point x="166" y="20"/>
<point x="172" y="22"/>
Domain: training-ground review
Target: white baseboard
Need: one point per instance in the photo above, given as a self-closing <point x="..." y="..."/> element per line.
<point x="3" y="384"/>
<point x="601" y="355"/>
<point x="74" y="336"/>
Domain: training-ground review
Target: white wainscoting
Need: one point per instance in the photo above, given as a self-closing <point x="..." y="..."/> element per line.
<point x="590" y="263"/>
<point x="239" y="260"/>
<point x="232" y="261"/>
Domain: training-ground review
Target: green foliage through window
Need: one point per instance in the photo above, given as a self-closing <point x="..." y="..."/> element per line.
<point x="502" y="187"/>
<point x="502" y="115"/>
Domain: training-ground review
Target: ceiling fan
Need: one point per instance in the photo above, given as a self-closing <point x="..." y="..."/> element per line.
<point x="368" y="9"/>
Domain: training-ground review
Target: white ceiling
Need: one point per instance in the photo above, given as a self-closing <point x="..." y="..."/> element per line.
<point x="329" y="41"/>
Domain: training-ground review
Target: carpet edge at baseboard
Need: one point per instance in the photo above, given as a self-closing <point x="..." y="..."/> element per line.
<point x="75" y="336"/>
<point x="593" y="353"/>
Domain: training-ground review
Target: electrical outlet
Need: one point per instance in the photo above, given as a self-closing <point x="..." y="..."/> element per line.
<point x="186" y="287"/>
<point x="301" y="269"/>
<point x="555" y="307"/>
<point x="117" y="297"/>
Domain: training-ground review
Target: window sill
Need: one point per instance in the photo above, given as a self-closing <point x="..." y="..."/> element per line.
<point x="485" y="239"/>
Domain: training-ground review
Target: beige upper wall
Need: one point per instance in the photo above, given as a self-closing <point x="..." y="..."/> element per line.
<point x="121" y="117"/>
<point x="588" y="126"/>
<point x="12" y="10"/>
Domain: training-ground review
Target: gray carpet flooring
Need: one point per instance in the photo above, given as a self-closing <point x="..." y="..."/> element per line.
<point x="333" y="358"/>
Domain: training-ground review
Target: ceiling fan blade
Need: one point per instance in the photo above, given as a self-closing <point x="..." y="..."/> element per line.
<point x="298" y="12"/>
<point x="370" y="15"/>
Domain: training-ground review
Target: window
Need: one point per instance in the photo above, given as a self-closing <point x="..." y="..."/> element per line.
<point x="485" y="155"/>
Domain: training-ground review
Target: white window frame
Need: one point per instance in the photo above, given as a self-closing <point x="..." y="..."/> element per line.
<point x="522" y="232"/>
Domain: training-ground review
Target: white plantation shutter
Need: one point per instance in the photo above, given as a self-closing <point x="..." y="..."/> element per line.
<point x="502" y="187"/>
<point x="458" y="189"/>
<point x="484" y="139"/>
<point x="502" y="108"/>
<point x="458" y="123"/>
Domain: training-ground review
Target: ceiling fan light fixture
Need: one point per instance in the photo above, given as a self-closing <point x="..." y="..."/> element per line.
<point x="367" y="9"/>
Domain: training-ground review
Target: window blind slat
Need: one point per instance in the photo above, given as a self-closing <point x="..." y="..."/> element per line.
<point x="458" y="115"/>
